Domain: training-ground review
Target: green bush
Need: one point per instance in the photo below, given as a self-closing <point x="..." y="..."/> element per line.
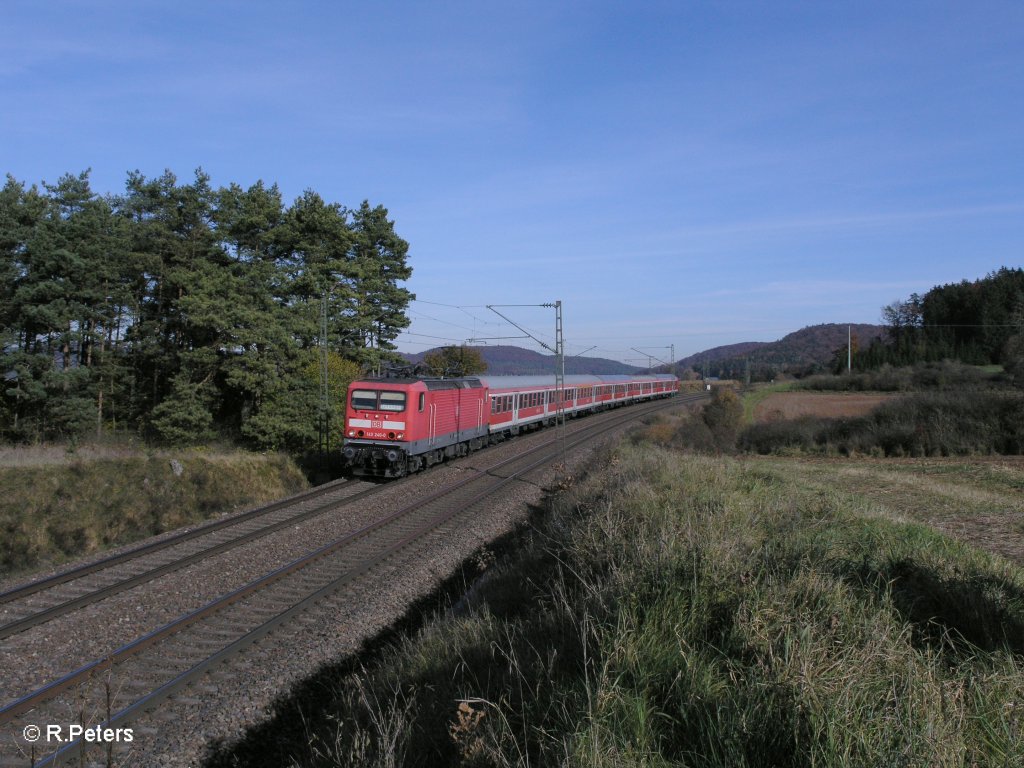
<point x="944" y="375"/>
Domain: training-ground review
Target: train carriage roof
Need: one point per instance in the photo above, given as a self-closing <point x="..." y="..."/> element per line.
<point x="517" y="382"/>
<point x="576" y="380"/>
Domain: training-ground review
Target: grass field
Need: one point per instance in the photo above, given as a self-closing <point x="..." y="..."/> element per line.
<point x="685" y="610"/>
<point x="979" y="501"/>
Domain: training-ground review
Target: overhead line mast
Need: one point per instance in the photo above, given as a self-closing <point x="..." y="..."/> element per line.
<point x="559" y="350"/>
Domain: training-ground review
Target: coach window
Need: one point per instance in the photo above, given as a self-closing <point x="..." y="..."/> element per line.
<point x="364" y="400"/>
<point x="392" y="401"/>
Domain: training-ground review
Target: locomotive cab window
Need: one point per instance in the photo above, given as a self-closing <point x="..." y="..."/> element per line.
<point x="392" y="401"/>
<point x="372" y="400"/>
<point x="364" y="400"/>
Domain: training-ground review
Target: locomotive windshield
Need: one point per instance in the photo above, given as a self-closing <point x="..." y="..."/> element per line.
<point x="392" y="401"/>
<point x="375" y="400"/>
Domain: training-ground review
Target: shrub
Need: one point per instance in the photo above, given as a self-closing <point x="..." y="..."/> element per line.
<point x="942" y="376"/>
<point x="723" y="416"/>
<point x="922" y="424"/>
<point x="776" y="436"/>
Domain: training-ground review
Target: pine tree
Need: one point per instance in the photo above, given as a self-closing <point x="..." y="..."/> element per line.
<point x="186" y="312"/>
<point x="379" y="262"/>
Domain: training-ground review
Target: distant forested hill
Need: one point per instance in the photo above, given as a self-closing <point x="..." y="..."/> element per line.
<point x="808" y="349"/>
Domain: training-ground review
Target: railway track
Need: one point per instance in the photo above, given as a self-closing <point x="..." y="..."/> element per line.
<point x="112" y="691"/>
<point x="43" y="600"/>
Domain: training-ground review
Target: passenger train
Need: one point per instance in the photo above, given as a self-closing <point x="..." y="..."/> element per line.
<point x="401" y="425"/>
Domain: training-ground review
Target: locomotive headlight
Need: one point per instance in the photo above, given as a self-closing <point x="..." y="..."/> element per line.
<point x="351" y="433"/>
<point x="401" y="435"/>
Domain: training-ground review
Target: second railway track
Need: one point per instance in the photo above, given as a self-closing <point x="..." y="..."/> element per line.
<point x="44" y="599"/>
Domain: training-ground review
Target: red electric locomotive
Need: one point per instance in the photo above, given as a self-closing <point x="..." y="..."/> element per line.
<point x="402" y="425"/>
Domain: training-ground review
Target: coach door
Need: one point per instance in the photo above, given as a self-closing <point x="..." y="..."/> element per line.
<point x="432" y="422"/>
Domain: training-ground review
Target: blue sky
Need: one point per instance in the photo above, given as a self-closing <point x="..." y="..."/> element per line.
<point x="687" y="173"/>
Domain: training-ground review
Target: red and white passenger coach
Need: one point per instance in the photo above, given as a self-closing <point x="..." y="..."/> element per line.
<point x="397" y="426"/>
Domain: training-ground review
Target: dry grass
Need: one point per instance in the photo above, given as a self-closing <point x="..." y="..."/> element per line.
<point x="53" y="454"/>
<point x="50" y="454"/>
<point x="59" y="507"/>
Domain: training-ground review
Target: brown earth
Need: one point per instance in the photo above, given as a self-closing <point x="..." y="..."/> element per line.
<point x="790" y="405"/>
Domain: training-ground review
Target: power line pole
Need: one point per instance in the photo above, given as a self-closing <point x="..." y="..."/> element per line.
<point x="650" y="357"/>
<point x="559" y="350"/>
<point x="560" y="369"/>
<point x="325" y="404"/>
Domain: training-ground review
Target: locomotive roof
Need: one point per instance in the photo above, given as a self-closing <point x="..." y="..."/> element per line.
<point x="468" y="382"/>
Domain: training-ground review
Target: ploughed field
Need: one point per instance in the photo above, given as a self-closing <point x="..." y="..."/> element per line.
<point x="828" y="405"/>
